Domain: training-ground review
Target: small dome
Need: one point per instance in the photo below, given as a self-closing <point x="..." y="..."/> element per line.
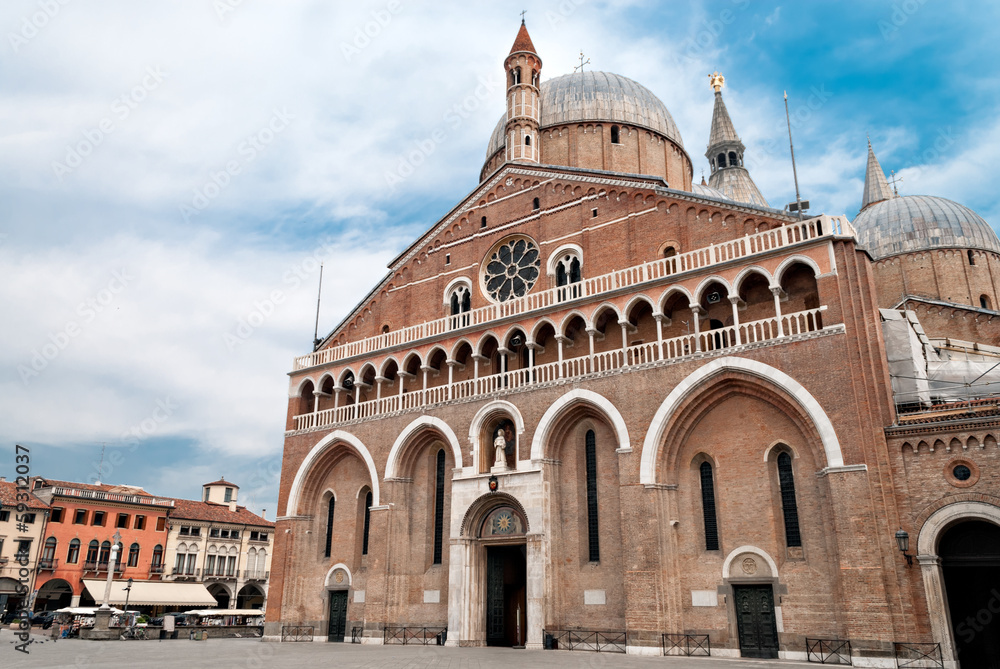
<point x="597" y="96"/>
<point x="707" y="191"/>
<point x="920" y="222"/>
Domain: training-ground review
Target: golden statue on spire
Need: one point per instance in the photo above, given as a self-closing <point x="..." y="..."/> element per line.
<point x="716" y="81"/>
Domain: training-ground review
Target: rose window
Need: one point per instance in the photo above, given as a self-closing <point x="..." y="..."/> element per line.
<point x="512" y="269"/>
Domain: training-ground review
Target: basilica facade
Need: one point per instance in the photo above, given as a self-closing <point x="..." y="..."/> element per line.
<point x="597" y="400"/>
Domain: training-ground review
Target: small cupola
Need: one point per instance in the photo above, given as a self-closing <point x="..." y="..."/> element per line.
<point x="220" y="492"/>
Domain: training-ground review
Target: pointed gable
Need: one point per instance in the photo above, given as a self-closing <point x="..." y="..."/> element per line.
<point x="523" y="41"/>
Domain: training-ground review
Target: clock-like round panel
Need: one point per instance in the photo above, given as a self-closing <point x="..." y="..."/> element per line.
<point x="511" y="269"/>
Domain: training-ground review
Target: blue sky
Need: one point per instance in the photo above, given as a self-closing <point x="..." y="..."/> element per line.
<point x="171" y="175"/>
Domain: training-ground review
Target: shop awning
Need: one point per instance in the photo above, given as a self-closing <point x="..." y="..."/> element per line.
<point x="153" y="593"/>
<point x="204" y="613"/>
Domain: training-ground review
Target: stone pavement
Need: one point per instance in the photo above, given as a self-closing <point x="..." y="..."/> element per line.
<point x="253" y="654"/>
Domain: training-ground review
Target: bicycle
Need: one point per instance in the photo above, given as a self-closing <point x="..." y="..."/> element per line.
<point x="134" y="633"/>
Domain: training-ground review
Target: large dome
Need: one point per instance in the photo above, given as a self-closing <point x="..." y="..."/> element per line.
<point x="597" y="96"/>
<point x="920" y="222"/>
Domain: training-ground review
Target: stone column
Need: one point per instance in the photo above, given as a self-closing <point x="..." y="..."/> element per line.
<point x="696" y="312"/>
<point x="379" y="380"/>
<point x="559" y="340"/>
<point x="937" y="606"/>
<point x="735" y="301"/>
<point x="659" y="334"/>
<point x="537" y="559"/>
<point x="777" y="292"/>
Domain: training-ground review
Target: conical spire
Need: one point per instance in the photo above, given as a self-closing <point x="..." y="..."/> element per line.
<point x="523" y="41"/>
<point x="722" y="125"/>
<point x="725" y="154"/>
<point x="876" y="185"/>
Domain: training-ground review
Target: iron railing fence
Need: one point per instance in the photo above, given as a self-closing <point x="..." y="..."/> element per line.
<point x="356" y="633"/>
<point x="692" y="645"/>
<point x="829" y="651"/>
<point x="913" y="655"/>
<point x="292" y="633"/>
<point x="593" y="640"/>
<point x="424" y="636"/>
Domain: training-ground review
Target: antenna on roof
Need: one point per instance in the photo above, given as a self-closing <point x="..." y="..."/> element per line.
<point x="798" y="200"/>
<point x="318" y="296"/>
<point x="100" y="468"/>
<point x="893" y="180"/>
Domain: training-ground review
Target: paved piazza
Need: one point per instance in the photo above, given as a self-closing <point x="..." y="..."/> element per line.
<point x="253" y="654"/>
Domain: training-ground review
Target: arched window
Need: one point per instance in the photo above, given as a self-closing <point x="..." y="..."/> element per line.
<point x="92" y="549"/>
<point x="568" y="273"/>
<point x="49" y="552"/>
<point x="133" y="555"/>
<point x="157" y="555"/>
<point x="708" y="507"/>
<point x="73" y="554"/>
<point x="517" y="76"/>
<point x="482" y="222"/>
<point x="722" y="160"/>
<point x="105" y="556"/>
<point x="527" y="140"/>
<point x="787" y="483"/>
<point x="535" y="204"/>
<point x="732" y="158"/>
<point x="368" y="512"/>
<point x="329" y="526"/>
<point x="594" y="542"/>
<point x="984" y="302"/>
<point x="461" y="303"/>
<point x="615" y="139"/>
<point x="972" y="257"/>
<point x="669" y="252"/>
<point x="439" y="508"/>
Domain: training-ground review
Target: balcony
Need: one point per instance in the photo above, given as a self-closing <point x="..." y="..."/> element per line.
<point x="155" y="569"/>
<point x="102" y="565"/>
<point x="768" y="330"/>
<point x="257" y="575"/>
<point x="223" y="575"/>
<point x="111" y="496"/>
<point x="48" y="564"/>
<point x="179" y="574"/>
<point x="655" y="272"/>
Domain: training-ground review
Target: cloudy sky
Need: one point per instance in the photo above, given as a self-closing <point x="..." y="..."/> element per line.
<point x="171" y="175"/>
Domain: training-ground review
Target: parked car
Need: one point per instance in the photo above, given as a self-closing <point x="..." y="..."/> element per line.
<point x="43" y="619"/>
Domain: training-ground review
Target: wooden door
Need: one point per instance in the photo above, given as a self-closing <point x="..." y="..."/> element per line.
<point x="338" y="616"/>
<point x="758" y="629"/>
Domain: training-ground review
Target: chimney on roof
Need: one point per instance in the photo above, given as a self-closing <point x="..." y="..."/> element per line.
<point x="3" y="479"/>
<point x="263" y="514"/>
<point x="232" y="506"/>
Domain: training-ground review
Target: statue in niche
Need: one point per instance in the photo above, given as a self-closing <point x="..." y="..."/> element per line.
<point x="500" y="457"/>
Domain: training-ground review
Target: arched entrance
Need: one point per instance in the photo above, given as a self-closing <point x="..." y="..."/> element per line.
<point x="221" y="594"/>
<point x="970" y="563"/>
<point x="250" y="597"/>
<point x="54" y="594"/>
<point x="958" y="546"/>
<point x="497" y="604"/>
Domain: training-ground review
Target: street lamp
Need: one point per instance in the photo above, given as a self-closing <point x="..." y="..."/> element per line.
<point x="903" y="541"/>
<point x="128" y="593"/>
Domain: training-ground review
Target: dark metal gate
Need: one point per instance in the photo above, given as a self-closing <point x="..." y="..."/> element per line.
<point x="755" y="618"/>
<point x="338" y="615"/>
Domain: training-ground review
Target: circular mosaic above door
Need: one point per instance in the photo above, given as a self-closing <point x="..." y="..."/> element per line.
<point x="511" y="269"/>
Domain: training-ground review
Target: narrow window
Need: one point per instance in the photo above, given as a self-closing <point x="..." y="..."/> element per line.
<point x="722" y="160"/>
<point x="614" y="135"/>
<point x="161" y="523"/>
<point x="560" y="275"/>
<point x="157" y="555"/>
<point x="206" y="494"/>
<point x="447" y="258"/>
<point x="594" y="541"/>
<point x="535" y="204"/>
<point x="229" y="495"/>
<point x="210" y="565"/>
<point x="527" y="140"/>
<point x="984" y="302"/>
<point x="133" y="555"/>
<point x="482" y="222"/>
<point x="92" y="551"/>
<point x="732" y="158"/>
<point x="593" y="213"/>
<point x="105" y="556"/>
<point x="439" y="508"/>
<point x="454" y="304"/>
<point x="787" y="483"/>
<point x="329" y="527"/>
<point x="708" y="507"/>
<point x="49" y="552"/>
<point x="73" y="554"/>
<point x="368" y="510"/>
<point x="574" y="270"/>
<point x="972" y="258"/>
<point x="140" y="523"/>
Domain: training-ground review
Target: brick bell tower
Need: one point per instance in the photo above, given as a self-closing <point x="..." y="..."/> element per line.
<point x="524" y="70"/>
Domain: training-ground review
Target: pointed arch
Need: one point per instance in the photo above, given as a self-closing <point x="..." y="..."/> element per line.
<point x="656" y="433"/>
<point x="561" y="330"/>
<point x="295" y="389"/>
<point x="421" y="423"/>
<point x="746" y="272"/>
<point x="384" y="367"/>
<point x="542" y="322"/>
<point x="601" y="308"/>
<point x="554" y="257"/>
<point x="669" y="293"/>
<point x="635" y="300"/>
<point x="573" y="397"/>
<point x="314" y="455"/>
